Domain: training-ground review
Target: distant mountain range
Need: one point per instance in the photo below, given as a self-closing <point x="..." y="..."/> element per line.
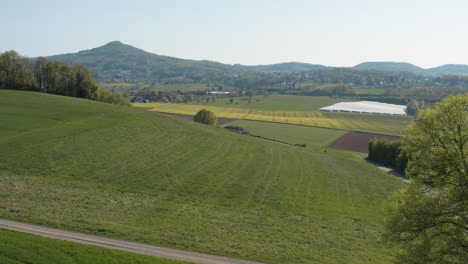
<point x="119" y="62"/>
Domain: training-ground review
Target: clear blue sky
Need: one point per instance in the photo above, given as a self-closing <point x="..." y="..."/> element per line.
<point x="331" y="32"/>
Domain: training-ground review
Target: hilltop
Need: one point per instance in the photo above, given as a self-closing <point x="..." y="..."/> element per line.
<point x="450" y="69"/>
<point x="118" y="62"/>
<point x="389" y="66"/>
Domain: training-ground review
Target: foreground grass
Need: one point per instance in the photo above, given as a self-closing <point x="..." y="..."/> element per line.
<point x="18" y="248"/>
<point x="384" y="124"/>
<point x="133" y="174"/>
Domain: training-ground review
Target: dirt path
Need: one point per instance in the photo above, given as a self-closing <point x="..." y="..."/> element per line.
<point x="120" y="244"/>
<point x="387" y="170"/>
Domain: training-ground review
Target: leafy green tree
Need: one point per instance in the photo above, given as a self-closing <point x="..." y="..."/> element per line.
<point x="14" y="71"/>
<point x="251" y="93"/>
<point x="86" y="85"/>
<point x="428" y="220"/>
<point x="206" y="117"/>
<point x="112" y="98"/>
<point x="40" y="73"/>
<point x="52" y="77"/>
<point x="412" y="107"/>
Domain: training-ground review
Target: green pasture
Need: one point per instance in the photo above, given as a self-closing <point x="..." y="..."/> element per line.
<point x="133" y="174"/>
<point x="278" y="102"/>
<point x="314" y="137"/>
<point x="16" y="248"/>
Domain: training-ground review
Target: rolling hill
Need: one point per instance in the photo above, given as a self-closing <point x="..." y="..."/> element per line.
<point x="129" y="173"/>
<point x="450" y="69"/>
<point x="390" y="66"/>
<point x="118" y="62"/>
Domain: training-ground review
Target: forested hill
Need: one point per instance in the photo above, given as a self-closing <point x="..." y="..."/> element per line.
<point x="452" y="69"/>
<point x="390" y="66"/>
<point x="119" y="62"/>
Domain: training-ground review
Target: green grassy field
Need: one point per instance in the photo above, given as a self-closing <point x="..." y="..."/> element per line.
<point x="370" y="91"/>
<point x="384" y="124"/>
<point x="278" y="102"/>
<point x="129" y="173"/>
<point x="292" y="134"/>
<point x="18" y="248"/>
<point x="128" y="87"/>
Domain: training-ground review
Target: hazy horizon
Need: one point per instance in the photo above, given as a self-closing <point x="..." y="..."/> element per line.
<point x="332" y="33"/>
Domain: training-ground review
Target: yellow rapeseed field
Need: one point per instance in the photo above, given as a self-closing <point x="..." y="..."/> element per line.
<point x="353" y="122"/>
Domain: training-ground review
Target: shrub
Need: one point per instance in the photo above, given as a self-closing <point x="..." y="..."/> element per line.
<point x="205" y="117"/>
<point x="388" y="153"/>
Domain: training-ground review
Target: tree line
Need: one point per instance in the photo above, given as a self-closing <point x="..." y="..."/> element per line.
<point x="18" y="73"/>
<point x="389" y="153"/>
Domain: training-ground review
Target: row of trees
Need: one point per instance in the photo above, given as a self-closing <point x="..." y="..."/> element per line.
<point x="16" y="72"/>
<point x="389" y="153"/>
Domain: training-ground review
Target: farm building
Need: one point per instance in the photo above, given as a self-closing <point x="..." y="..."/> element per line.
<point x="218" y="93"/>
<point x="367" y="107"/>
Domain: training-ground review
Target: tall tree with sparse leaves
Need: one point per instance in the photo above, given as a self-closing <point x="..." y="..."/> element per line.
<point x="40" y="73"/>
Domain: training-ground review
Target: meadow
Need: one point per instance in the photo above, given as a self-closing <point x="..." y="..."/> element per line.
<point x="18" y="248"/>
<point x="370" y="91"/>
<point x="278" y="102"/>
<point x="384" y="124"/>
<point x="128" y="173"/>
<point x="314" y="137"/>
<point x="129" y="87"/>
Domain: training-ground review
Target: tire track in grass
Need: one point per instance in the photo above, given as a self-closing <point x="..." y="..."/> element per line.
<point x="200" y="168"/>
<point x="244" y="160"/>
<point x="299" y="184"/>
<point x="307" y="198"/>
<point x="149" y="152"/>
<point x="44" y="143"/>
<point x="350" y="198"/>
<point x="273" y="179"/>
<point x="261" y="180"/>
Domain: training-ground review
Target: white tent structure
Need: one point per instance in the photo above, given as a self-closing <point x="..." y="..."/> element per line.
<point x="368" y="107"/>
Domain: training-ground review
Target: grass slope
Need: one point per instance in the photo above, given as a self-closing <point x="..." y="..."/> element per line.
<point x="129" y="173"/>
<point x="312" y="136"/>
<point x="18" y="248"/>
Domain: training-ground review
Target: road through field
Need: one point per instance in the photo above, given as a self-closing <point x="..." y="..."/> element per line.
<point x="120" y="244"/>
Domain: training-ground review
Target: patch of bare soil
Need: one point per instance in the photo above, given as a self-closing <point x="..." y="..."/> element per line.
<point x="358" y="141"/>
